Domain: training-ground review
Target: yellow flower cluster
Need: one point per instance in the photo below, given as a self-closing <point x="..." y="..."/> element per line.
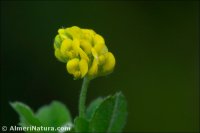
<point x="84" y="52"/>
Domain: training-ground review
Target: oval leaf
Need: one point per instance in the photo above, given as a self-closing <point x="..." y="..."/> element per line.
<point x="54" y="115"/>
<point x="92" y="107"/>
<point x="81" y="125"/>
<point x="111" y="115"/>
<point x="27" y="117"/>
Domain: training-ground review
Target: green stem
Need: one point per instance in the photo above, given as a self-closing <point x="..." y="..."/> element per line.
<point x="82" y="98"/>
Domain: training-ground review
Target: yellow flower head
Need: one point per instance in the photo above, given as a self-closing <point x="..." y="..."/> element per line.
<point x="84" y="52"/>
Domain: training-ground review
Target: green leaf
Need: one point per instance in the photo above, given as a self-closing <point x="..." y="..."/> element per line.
<point x="27" y="117"/>
<point x="111" y="115"/>
<point x="92" y="107"/>
<point x="54" y="115"/>
<point x="81" y="124"/>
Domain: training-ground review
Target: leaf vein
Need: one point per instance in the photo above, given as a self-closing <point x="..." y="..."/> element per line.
<point x="114" y="113"/>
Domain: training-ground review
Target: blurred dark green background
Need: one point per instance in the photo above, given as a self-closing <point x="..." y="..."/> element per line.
<point x="155" y="45"/>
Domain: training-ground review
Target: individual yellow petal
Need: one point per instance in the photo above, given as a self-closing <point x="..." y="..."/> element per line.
<point x="61" y="31"/>
<point x="74" y="32"/>
<point x="72" y="65"/>
<point x="83" y="66"/>
<point x="66" y="46"/>
<point x="109" y="64"/>
<point x="88" y="34"/>
<point x="98" y="39"/>
<point x="76" y="42"/>
<point x="77" y="75"/>
<point x="83" y="55"/>
<point x="76" y="46"/>
<point x="101" y="59"/>
<point x="99" y="44"/>
<point x="86" y="46"/>
<point x="62" y="34"/>
<point x="94" y="53"/>
<point x="88" y="31"/>
<point x="93" y="68"/>
<point x="59" y="56"/>
<point x="70" y="54"/>
<point x="100" y="48"/>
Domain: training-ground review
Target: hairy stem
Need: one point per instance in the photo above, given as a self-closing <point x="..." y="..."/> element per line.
<point x="82" y="98"/>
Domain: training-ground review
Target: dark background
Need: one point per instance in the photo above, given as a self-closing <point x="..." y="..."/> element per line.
<point x="155" y="45"/>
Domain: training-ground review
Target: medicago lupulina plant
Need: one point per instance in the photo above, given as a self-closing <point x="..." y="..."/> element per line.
<point x="86" y="57"/>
